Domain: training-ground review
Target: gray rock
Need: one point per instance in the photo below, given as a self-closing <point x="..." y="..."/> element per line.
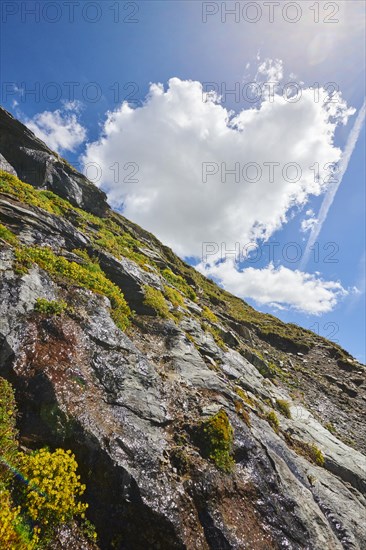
<point x="4" y="165"/>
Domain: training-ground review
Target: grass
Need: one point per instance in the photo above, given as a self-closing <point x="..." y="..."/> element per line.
<point x="284" y="407"/>
<point x="122" y="238"/>
<point x="155" y="299"/>
<point x="308" y="450"/>
<point x="174" y="296"/>
<point x="89" y="275"/>
<point x="244" y="396"/>
<point x="179" y="283"/>
<point x="208" y="314"/>
<point x="272" y="420"/>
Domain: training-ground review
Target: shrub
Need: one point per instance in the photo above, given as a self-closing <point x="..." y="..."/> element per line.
<point x="29" y="195"/>
<point x="174" y="296"/>
<point x="53" y="487"/>
<point x="209" y="315"/>
<point x="179" y="283"/>
<point x="155" y="299"/>
<point x="272" y="419"/>
<point x="88" y="275"/>
<point x="8" y="432"/>
<point x="217" y="440"/>
<point x="121" y="245"/>
<point x="284" y="407"/>
<point x="52" y="307"/>
<point x="8" y="235"/>
<point x="14" y="534"/>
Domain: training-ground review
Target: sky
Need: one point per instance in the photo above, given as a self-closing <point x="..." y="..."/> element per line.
<point x="234" y="131"/>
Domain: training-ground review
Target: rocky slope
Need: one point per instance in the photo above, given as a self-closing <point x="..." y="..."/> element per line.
<point x="197" y="422"/>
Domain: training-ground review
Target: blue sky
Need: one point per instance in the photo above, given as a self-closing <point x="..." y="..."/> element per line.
<point x="153" y="42"/>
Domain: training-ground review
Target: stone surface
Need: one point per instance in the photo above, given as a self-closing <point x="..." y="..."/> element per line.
<point x="131" y="404"/>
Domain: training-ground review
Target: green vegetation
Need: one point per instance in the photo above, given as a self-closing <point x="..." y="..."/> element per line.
<point x="38" y="491"/>
<point x="216" y="335"/>
<point x="174" y="296"/>
<point x="120" y="245"/>
<point x="88" y="275"/>
<point x="118" y="236"/>
<point x="284" y="407"/>
<point x="155" y="299"/>
<point x="179" y="283"/>
<point x="272" y="419"/>
<point x="217" y="440"/>
<point x="7" y="235"/>
<point x="109" y="235"/>
<point x="244" y="396"/>
<point x="209" y="315"/>
<point x="48" y="307"/>
<point x="51" y="494"/>
<point x="308" y="450"/>
<point x="8" y="432"/>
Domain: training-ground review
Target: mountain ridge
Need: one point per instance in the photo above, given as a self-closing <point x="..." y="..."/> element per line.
<point x="152" y="379"/>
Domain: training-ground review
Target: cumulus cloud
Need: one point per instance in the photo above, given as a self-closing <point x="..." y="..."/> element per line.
<point x="167" y="163"/>
<point x="278" y="287"/>
<point x="59" y="129"/>
<point x="192" y="172"/>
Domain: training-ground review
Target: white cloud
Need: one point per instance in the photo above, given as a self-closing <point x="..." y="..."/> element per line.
<point x="271" y="69"/>
<point x="59" y="129"/>
<point x="278" y="287"/>
<point x="174" y="132"/>
<point x="308" y="223"/>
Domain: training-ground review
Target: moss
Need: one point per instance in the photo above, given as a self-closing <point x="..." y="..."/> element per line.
<point x="284" y="407"/>
<point x="174" y="296"/>
<point x="155" y="299"/>
<point x="52" y="307"/>
<point x="242" y="412"/>
<point x="7" y="235"/>
<point x="244" y="396"/>
<point x="209" y="315"/>
<point x="217" y="440"/>
<point x="179" y="283"/>
<point x="89" y="276"/>
<point x="308" y="450"/>
<point x="272" y="419"/>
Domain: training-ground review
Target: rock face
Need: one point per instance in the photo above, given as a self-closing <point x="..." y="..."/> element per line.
<point x="131" y="404"/>
<point x="36" y="164"/>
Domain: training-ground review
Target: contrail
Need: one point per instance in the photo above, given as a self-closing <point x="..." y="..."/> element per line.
<point x="330" y="194"/>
